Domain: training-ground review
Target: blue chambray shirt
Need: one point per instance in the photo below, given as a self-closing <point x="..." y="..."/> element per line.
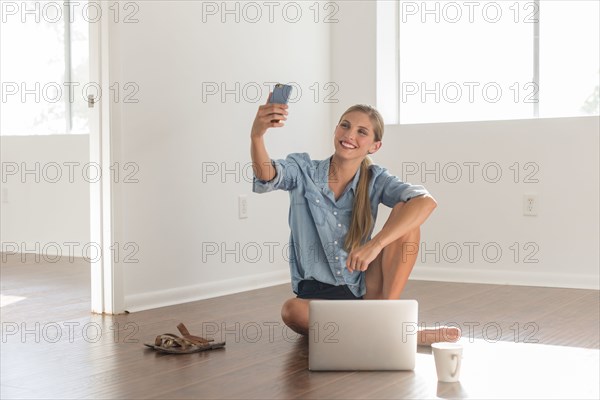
<point x="319" y="223"/>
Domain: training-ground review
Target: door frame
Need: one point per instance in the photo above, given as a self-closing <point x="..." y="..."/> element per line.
<point x="107" y="296"/>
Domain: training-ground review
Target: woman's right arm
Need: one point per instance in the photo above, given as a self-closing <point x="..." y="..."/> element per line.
<point x="261" y="162"/>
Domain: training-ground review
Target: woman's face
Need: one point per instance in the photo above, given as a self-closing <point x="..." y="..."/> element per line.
<point x="354" y="137"/>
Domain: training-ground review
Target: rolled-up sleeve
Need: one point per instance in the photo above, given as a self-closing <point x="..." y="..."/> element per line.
<point x="286" y="177"/>
<point x="395" y="191"/>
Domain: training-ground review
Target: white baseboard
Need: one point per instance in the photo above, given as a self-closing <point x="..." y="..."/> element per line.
<point x="169" y="297"/>
<point x="505" y="277"/>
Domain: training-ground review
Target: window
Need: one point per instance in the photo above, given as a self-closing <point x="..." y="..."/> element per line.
<point x="446" y="61"/>
<point x="44" y="50"/>
<point x="569" y="58"/>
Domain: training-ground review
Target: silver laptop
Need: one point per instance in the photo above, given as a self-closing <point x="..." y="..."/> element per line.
<point x="362" y="334"/>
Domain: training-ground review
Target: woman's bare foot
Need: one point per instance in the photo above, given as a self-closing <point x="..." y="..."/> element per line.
<point x="427" y="336"/>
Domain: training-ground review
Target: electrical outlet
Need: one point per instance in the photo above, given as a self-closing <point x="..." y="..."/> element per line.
<point x="530" y="204"/>
<point x="242" y="206"/>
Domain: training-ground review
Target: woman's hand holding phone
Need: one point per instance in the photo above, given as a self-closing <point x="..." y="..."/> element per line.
<point x="269" y="115"/>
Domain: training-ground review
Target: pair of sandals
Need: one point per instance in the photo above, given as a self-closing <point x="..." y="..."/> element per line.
<point x="173" y="344"/>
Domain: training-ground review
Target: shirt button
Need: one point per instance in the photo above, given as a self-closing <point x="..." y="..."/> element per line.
<point x="339" y="225"/>
<point x="335" y="213"/>
<point x="337" y="258"/>
<point x="335" y="242"/>
<point x="318" y="201"/>
<point x="339" y="272"/>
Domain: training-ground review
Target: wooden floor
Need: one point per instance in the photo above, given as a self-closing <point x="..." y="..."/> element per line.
<point x="520" y="342"/>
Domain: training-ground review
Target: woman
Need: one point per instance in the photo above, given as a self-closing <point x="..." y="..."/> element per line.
<point x="333" y="207"/>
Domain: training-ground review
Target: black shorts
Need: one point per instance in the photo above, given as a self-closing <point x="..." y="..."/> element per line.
<point x="311" y="289"/>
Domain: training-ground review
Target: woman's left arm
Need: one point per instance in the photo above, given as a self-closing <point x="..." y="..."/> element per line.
<point x="404" y="218"/>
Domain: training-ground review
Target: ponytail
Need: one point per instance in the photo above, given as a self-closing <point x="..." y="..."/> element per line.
<point x="362" y="219"/>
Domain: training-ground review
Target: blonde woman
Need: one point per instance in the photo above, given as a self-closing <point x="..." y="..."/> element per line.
<point x="333" y="207"/>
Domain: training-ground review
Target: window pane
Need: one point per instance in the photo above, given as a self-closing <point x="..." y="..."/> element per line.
<point x="465" y="61"/>
<point x="569" y="58"/>
<point x="33" y="65"/>
<point x="387" y="66"/>
<point x="35" y="94"/>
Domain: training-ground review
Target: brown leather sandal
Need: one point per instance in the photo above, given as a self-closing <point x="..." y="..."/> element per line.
<point x="173" y="344"/>
<point x="186" y="334"/>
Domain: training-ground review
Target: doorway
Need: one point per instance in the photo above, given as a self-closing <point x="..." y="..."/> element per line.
<point x="55" y="201"/>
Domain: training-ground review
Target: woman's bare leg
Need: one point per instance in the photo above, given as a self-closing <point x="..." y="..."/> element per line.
<point x="294" y="313"/>
<point x="388" y="274"/>
<point x="397" y="263"/>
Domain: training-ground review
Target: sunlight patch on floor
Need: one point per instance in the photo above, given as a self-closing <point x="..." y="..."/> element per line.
<point x="6" y="300"/>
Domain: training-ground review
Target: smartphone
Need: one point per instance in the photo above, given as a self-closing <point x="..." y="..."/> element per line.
<point x="281" y="94"/>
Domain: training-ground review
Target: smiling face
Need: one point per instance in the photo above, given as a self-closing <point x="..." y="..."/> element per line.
<point x="355" y="137"/>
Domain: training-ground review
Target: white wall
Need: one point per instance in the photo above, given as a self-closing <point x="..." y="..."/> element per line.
<point x="175" y="214"/>
<point x="45" y="196"/>
<point x="475" y="215"/>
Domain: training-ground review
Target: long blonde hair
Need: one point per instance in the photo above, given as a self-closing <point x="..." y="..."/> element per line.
<point x="362" y="219"/>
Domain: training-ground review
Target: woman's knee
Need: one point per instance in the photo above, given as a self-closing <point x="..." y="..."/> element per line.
<point x="291" y="311"/>
<point x="412" y="234"/>
<point x="409" y="242"/>
<point x="294" y="314"/>
<point x="287" y="310"/>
